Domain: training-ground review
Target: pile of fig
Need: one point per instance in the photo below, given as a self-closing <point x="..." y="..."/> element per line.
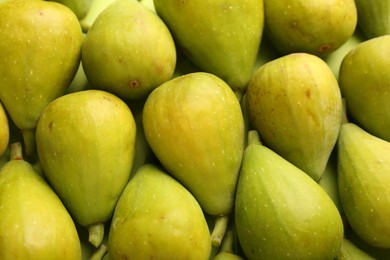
<point x="194" y="129"/>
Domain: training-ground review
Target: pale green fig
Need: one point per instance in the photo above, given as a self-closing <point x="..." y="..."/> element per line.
<point x="295" y="104"/>
<point x="349" y="251"/>
<point x="128" y="50"/>
<point x="364" y="80"/>
<point x="195" y="127"/>
<point x="40" y="53"/>
<point x="4" y="130"/>
<point x="221" y="37"/>
<point x="363" y="180"/>
<point x="34" y="223"/>
<point x="86" y="144"/>
<point x="79" y="7"/>
<point x="95" y="9"/>
<point x="282" y="213"/>
<point x="313" y="26"/>
<point x="373" y="17"/>
<point x="158" y="218"/>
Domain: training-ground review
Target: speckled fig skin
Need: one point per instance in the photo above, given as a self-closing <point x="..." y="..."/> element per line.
<point x="282" y="213"/>
<point x="34" y="224"/>
<point x="221" y="37"/>
<point x="364" y="80"/>
<point x="295" y="104"/>
<point x="40" y="54"/>
<point x="128" y="50"/>
<point x="311" y="26"/>
<point x="195" y="127"/>
<point x="86" y="144"/>
<point x="157" y="217"/>
<point x="363" y="179"/>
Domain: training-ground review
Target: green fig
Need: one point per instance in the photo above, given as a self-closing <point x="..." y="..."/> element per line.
<point x="313" y="26"/>
<point x="40" y="53"/>
<point x="4" y="130"/>
<point x="86" y="144"/>
<point x="195" y="127"/>
<point x="373" y="17"/>
<point x="221" y="37"/>
<point x="79" y="7"/>
<point x="34" y="223"/>
<point x="158" y="218"/>
<point x="282" y="213"/>
<point x="364" y="80"/>
<point x="349" y="251"/>
<point x="295" y="103"/>
<point x="363" y="180"/>
<point x="128" y="50"/>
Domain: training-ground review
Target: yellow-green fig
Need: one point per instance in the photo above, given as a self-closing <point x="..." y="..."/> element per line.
<point x="34" y="223"/>
<point x="128" y="50"/>
<point x="349" y="251"/>
<point x="4" y="130"/>
<point x="40" y="50"/>
<point x="364" y="80"/>
<point x="195" y="127"/>
<point x="282" y="213"/>
<point x="313" y="26"/>
<point x="221" y="37"/>
<point x="363" y="181"/>
<point x="295" y="103"/>
<point x="158" y="218"/>
<point x="85" y="144"/>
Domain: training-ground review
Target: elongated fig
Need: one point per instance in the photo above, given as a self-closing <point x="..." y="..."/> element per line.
<point x="194" y="125"/>
<point x="156" y="217"/>
<point x="40" y="54"/>
<point x="34" y="223"/>
<point x="86" y="143"/>
<point x="295" y="104"/>
<point x="364" y="180"/>
<point x="282" y="213"/>
<point x="221" y="37"/>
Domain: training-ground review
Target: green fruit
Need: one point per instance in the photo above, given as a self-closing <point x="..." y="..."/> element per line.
<point x="157" y="218"/>
<point x="79" y="7"/>
<point x="34" y="224"/>
<point x="350" y="251"/>
<point x="86" y="143"/>
<point x="195" y="127"/>
<point x="221" y="37"/>
<point x="128" y="50"/>
<point x="374" y="17"/>
<point x="314" y="26"/>
<point x="363" y="179"/>
<point x="364" y="80"/>
<point x="95" y="9"/>
<point x="40" y="53"/>
<point x="295" y="104"/>
<point x="4" y="130"/>
<point x="282" y="213"/>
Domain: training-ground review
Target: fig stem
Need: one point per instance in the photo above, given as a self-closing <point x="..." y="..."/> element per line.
<point x="29" y="141"/>
<point x="96" y="234"/>
<point x="219" y="230"/>
<point x="16" y="151"/>
<point x="100" y="253"/>
<point x="253" y="137"/>
<point x="227" y="242"/>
